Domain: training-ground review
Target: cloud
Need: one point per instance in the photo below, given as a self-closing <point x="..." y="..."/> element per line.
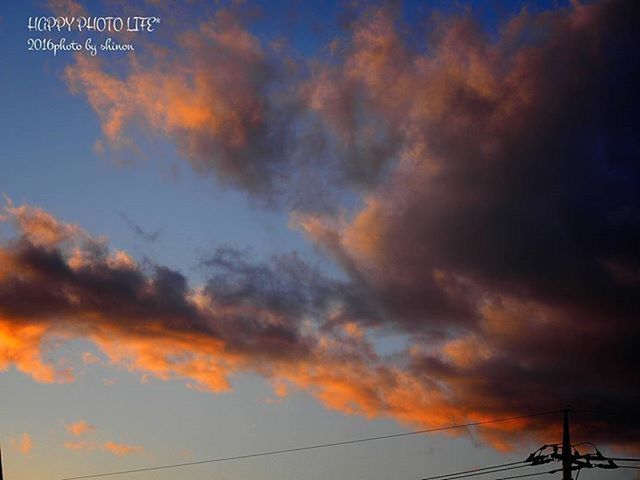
<point x="121" y="449"/>
<point x="22" y="345"/>
<point x="118" y="449"/>
<point x="24" y="444"/>
<point x="515" y="188"/>
<point x="139" y="231"/>
<point x="498" y="227"/>
<point x="276" y="319"/>
<point x="248" y="317"/>
<point x="151" y="320"/>
<point x="42" y="228"/>
<point x="211" y="95"/>
<point x="79" y="428"/>
<point x="255" y="115"/>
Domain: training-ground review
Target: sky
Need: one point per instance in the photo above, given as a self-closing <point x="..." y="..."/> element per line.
<point x="281" y="223"/>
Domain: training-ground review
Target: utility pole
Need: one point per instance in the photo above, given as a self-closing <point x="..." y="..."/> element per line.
<point x="1" y="476"/>
<point x="569" y="455"/>
<point x="567" y="458"/>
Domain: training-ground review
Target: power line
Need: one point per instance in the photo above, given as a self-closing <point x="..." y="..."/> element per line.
<point x="486" y="473"/>
<point x="530" y="474"/>
<point x="566" y="453"/>
<point x="312" y="447"/>
<point x="447" y="475"/>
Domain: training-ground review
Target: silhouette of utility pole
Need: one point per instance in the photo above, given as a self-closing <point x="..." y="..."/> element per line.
<point x="569" y="455"/>
<point x="567" y="458"/>
<point x="1" y="475"/>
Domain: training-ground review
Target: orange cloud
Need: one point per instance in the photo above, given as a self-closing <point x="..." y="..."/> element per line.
<point x="121" y="449"/>
<point x="79" y="428"/>
<point x="118" y="449"/>
<point x="24" y="444"/>
<point x="218" y="110"/>
<point x="22" y="346"/>
<point x="41" y="227"/>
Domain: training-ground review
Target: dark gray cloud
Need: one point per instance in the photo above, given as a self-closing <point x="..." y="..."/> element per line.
<point x="507" y="232"/>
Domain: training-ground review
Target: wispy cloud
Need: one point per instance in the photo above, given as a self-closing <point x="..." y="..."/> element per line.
<point x="143" y="234"/>
<point x="24" y="444"/>
<point x="121" y="449"/>
<point x="118" y="449"/>
<point x="79" y="428"/>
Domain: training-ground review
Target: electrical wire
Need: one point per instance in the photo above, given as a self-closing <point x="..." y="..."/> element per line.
<point x="530" y="474"/>
<point x="311" y="447"/>
<point x="485" y="473"/>
<point x="447" y="475"/>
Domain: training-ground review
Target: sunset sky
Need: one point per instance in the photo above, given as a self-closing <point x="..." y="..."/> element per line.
<point x="283" y="223"/>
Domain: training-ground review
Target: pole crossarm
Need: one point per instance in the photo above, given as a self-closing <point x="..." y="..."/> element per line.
<point x="572" y="459"/>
